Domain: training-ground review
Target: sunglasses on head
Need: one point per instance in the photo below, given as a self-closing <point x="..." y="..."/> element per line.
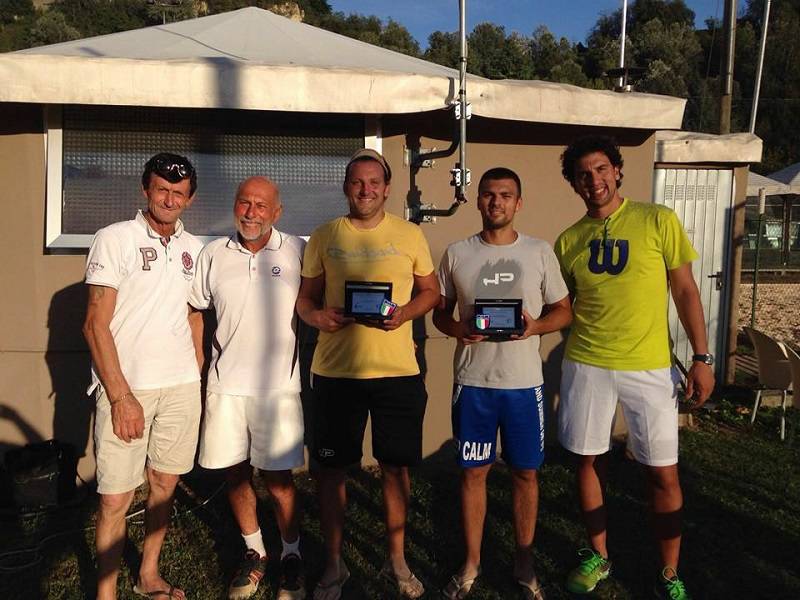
<point x="166" y="166"/>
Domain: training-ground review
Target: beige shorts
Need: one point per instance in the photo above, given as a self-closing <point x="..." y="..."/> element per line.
<point x="266" y="429"/>
<point x="171" y="425"/>
<point x="649" y="400"/>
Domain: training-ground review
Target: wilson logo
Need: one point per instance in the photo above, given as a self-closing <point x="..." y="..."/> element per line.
<point x="607" y="262"/>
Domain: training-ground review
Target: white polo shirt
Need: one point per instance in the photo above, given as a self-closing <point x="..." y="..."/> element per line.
<point x="255" y="346"/>
<point x="153" y="279"/>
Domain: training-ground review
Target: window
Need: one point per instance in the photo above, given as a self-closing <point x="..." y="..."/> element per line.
<point x="96" y="155"/>
<point x="780" y="233"/>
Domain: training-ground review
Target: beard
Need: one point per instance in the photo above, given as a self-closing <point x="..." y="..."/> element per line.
<point x="251" y="235"/>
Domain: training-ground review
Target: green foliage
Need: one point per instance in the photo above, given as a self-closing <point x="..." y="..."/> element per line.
<point x="12" y="11"/>
<point x="494" y="55"/>
<point x="51" y="28"/>
<point x="443" y="48"/>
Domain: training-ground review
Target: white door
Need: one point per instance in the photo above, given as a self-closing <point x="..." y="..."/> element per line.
<point x="703" y="201"/>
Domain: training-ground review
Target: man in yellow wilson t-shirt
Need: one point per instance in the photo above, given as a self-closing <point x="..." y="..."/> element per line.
<point x="366" y="367"/>
<point x="620" y="261"/>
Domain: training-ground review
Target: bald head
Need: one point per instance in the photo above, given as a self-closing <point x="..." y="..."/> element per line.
<point x="256" y="208"/>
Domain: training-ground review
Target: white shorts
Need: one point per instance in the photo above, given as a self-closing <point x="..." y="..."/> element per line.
<point x="266" y="429"/>
<point x="649" y="400"/>
<point x="169" y="443"/>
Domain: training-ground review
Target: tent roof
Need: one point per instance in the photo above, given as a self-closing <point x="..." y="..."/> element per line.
<point x="772" y="187"/>
<point x="254" y="59"/>
<point x="790" y="176"/>
<point x="693" y="147"/>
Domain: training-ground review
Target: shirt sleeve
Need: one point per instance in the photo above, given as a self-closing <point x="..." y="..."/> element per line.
<point x="200" y="296"/>
<point x="554" y="288"/>
<point x="445" y="275"/>
<point x="559" y="253"/>
<point x="312" y="259"/>
<point x="105" y="264"/>
<point x="675" y="244"/>
<point x="423" y="263"/>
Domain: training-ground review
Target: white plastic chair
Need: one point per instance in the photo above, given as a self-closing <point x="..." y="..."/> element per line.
<point x="773" y="370"/>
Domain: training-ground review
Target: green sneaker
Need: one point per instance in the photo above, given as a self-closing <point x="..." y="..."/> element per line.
<point x="592" y="570"/>
<point x="669" y="587"/>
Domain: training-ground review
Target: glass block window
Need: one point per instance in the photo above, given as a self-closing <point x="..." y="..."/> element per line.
<point x="104" y="150"/>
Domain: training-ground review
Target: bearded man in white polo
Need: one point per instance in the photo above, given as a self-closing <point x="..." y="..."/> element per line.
<point x="144" y="368"/>
<point x="253" y="415"/>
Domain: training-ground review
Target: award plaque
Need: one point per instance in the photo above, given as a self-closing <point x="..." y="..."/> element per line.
<point x="370" y="300"/>
<point x="498" y="319"/>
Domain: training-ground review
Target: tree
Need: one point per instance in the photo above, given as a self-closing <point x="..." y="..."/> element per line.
<point x="12" y="11"/>
<point x="443" y="48"/>
<point x="493" y="55"/>
<point x="51" y="28"/>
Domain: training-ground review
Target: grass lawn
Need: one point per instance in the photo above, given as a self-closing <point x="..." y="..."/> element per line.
<point x="741" y="538"/>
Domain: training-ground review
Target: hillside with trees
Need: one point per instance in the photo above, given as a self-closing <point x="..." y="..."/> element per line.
<point x="677" y="59"/>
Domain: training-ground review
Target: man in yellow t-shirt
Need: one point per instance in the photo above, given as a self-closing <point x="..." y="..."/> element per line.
<point x="367" y="366"/>
<point x="620" y="261"/>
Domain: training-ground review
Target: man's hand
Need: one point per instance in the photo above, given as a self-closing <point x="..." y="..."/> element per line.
<point x="398" y="318"/>
<point x="530" y="327"/>
<point x="699" y="384"/>
<point x="127" y="418"/>
<point x="466" y="335"/>
<point x="330" y="319"/>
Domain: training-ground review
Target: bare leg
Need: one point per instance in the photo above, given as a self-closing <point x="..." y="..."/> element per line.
<point x="332" y="503"/>
<point x="110" y="541"/>
<point x="525" y="497"/>
<point x="666" y="502"/>
<point x="156" y="518"/>
<point x="242" y="497"/>
<point x="396" y="493"/>
<point x="284" y="494"/>
<point x="473" y="515"/>
<point x="591" y="485"/>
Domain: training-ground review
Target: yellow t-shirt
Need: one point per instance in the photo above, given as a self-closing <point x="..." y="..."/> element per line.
<point x="616" y="270"/>
<point x="394" y="251"/>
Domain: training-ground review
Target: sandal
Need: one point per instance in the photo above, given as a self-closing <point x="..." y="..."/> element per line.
<point x="156" y="593"/>
<point x="459" y="587"/>
<point x="408" y="587"/>
<point x="531" y="588"/>
<point x="333" y="589"/>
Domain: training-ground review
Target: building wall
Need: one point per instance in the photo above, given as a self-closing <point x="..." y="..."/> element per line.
<point x="44" y="364"/>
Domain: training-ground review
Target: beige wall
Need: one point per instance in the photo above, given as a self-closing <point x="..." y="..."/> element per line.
<point x="43" y="359"/>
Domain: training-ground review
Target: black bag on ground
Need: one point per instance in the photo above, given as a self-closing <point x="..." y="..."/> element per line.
<point x="42" y="474"/>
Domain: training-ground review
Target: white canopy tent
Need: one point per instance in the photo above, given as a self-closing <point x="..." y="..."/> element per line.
<point x="254" y="59"/>
<point x="771" y="187"/>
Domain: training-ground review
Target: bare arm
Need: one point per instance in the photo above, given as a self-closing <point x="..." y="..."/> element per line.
<point x="196" y="325"/>
<point x="554" y="317"/>
<point x="427" y="297"/>
<point x="447" y="324"/>
<point x="700" y="380"/>
<point x="309" y="306"/>
<point x="127" y="415"/>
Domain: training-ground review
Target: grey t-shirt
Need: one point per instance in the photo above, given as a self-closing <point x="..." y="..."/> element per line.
<point x="526" y="269"/>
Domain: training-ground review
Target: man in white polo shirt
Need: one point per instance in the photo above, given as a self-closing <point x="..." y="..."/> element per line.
<point x="144" y="367"/>
<point x="253" y="408"/>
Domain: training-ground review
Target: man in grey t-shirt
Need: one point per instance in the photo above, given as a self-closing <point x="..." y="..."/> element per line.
<point x="498" y="384"/>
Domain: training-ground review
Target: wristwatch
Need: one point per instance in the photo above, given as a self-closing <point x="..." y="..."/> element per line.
<point x="707" y="359"/>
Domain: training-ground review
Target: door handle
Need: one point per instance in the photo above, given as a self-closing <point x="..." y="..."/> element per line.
<point x="720" y="280"/>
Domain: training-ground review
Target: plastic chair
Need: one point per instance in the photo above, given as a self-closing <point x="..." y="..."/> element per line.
<point x="794" y="367"/>
<point x="773" y="370"/>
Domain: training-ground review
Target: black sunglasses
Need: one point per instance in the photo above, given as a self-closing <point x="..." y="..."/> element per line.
<point x="165" y="166"/>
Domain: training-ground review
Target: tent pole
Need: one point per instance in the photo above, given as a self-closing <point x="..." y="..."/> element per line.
<point x="761" y="49"/>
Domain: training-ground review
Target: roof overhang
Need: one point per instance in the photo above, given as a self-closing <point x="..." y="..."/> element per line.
<point x="692" y="147"/>
<point x="219" y="82"/>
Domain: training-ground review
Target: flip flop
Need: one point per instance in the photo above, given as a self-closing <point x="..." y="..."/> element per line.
<point x="156" y="593"/>
<point x="532" y="590"/>
<point x="459" y="587"/>
<point x="333" y="589"/>
<point x="408" y="587"/>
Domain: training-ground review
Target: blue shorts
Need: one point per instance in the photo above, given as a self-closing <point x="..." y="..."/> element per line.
<point x="519" y="414"/>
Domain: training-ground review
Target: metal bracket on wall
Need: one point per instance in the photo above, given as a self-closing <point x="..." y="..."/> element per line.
<point x="416" y="157"/>
<point x="413" y="213"/>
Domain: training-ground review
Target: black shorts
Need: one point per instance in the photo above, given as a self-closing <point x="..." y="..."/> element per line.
<point x="340" y="408"/>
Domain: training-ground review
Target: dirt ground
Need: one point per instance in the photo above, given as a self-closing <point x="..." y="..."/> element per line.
<point x="777" y="310"/>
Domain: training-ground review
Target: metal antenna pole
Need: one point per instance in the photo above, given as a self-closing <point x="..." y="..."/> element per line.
<point x="621" y="82"/>
<point x="463" y="179"/>
<point x="727" y="76"/>
<point x="761" y="50"/>
<point x="762" y="201"/>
